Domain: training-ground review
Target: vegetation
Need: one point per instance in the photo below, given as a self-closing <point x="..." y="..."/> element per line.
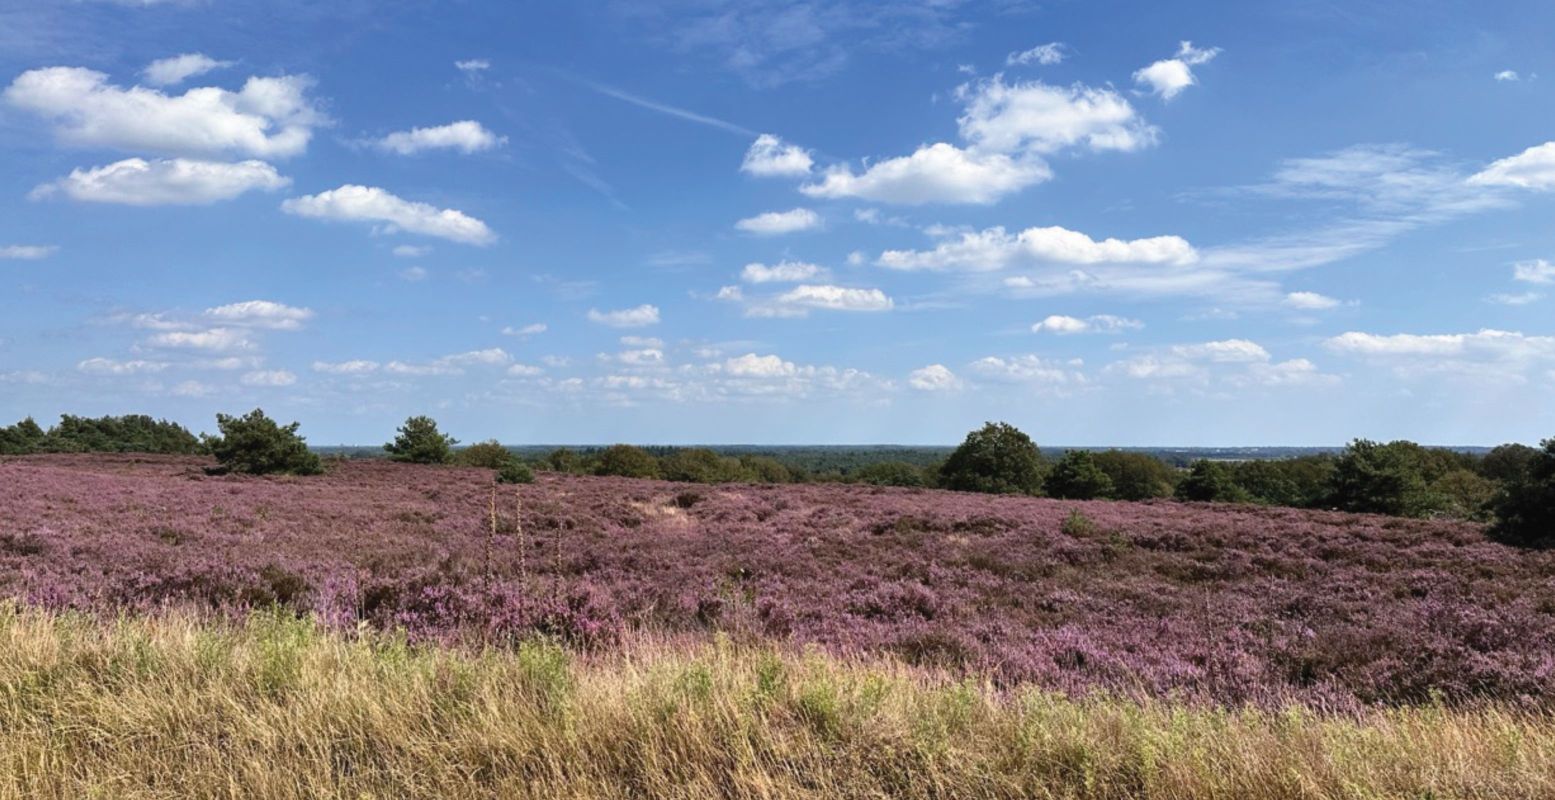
<point x="998" y="459"/>
<point x="626" y="461"/>
<point x="178" y="707"/>
<point x="254" y="444"/>
<point x="1525" y="509"/>
<point x="491" y="454"/>
<point x="892" y="473"/>
<point x="420" y="442"/>
<point x="1210" y="482"/>
<point x="133" y="433"/>
<point x="1136" y="476"/>
<point x="1077" y="477"/>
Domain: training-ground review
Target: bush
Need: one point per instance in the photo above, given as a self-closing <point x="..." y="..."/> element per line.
<point x="490" y="454"/>
<point x="132" y="433"/>
<point x="765" y="469"/>
<point x="1076" y="477"/>
<point x="22" y="438"/>
<point x="515" y="471"/>
<point x="420" y="442"/>
<point x="626" y="461"/>
<point x="1210" y="482"/>
<point x="256" y="445"/>
<point x="1376" y="478"/>
<point x="1136" y="476"/>
<point x="700" y="465"/>
<point x="1464" y="494"/>
<point x="998" y="459"/>
<point x="562" y="460"/>
<point x="1525" y="508"/>
<point x="890" y="473"/>
<point x="1300" y="482"/>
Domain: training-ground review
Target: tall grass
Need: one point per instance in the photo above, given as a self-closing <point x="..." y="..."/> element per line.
<point x="278" y="708"/>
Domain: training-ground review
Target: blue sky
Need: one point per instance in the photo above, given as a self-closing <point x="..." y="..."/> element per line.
<point x="724" y="221"/>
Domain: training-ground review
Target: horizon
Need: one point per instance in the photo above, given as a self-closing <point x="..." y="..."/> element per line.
<point x="811" y="225"/>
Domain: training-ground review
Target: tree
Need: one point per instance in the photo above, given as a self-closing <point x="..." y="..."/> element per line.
<point x="1464" y="494"/>
<point x="1136" y="476"/>
<point x="997" y="458"/>
<point x="419" y="442"/>
<point x="1210" y="482"/>
<point x="1525" y="508"/>
<point x="490" y="454"/>
<point x="890" y="473"/>
<point x="1508" y="462"/>
<point x="626" y="461"/>
<point x="1376" y="478"/>
<point x="1299" y="482"/>
<point x="1076" y="477"/>
<point x="765" y="469"/>
<point x="22" y="438"/>
<point x="699" y="465"/>
<point x="562" y="460"/>
<point x="255" y="444"/>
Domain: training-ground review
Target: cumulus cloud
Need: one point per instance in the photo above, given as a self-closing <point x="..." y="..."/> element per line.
<point x="354" y="367"/>
<point x="267" y="118"/>
<point x="1521" y="299"/>
<point x="261" y="314"/>
<point x="1310" y="301"/>
<point x="176" y="181"/>
<point x="834" y="298"/>
<point x="527" y="330"/>
<point x="1486" y="354"/>
<point x="27" y="252"/>
<point x="1169" y="77"/>
<point x="1038" y="118"/>
<point x="1533" y="168"/>
<point x="782" y="272"/>
<point x="1045" y="54"/>
<point x="1507" y="75"/>
<point x="466" y="136"/>
<point x="411" y="251"/>
<point x="1232" y="351"/>
<point x="770" y="156"/>
<point x="638" y="317"/>
<point x="773" y="223"/>
<point x="934" y="378"/>
<point x="472" y="66"/>
<point x="177" y="69"/>
<point x="1536" y="271"/>
<point x="937" y="173"/>
<point x="1029" y="369"/>
<point x="215" y="339"/>
<point x="108" y="366"/>
<point x="370" y="204"/>
<point x="268" y="377"/>
<point x="994" y="249"/>
<point x="752" y="365"/>
<point x="524" y="371"/>
<point x="1100" y="323"/>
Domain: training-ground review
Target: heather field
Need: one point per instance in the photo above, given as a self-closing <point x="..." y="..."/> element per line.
<point x="1208" y="604"/>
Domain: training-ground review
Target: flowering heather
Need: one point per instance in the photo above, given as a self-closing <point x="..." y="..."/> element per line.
<point x="1227" y="604"/>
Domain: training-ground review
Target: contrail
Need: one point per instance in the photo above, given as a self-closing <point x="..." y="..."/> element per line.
<point x="651" y="105"/>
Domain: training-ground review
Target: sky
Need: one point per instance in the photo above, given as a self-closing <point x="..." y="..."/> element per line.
<point x="738" y="221"/>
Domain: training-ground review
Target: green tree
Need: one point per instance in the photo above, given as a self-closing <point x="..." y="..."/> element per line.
<point x="699" y="465"/>
<point x="626" y="461"/>
<point x="1210" y="482"/>
<point x="490" y="454"/>
<point x="1525" y="507"/>
<point x="996" y="458"/>
<point x="1136" y="476"/>
<point x="22" y="438"/>
<point x="1375" y="478"/>
<point x="420" y="442"/>
<point x="255" y="444"/>
<point x="562" y="460"/>
<point x="890" y="473"/>
<point x="765" y="469"/>
<point x="1465" y="494"/>
<point x="1077" y="477"/>
<point x="1508" y="462"/>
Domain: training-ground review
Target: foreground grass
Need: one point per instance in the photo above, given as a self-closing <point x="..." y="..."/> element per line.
<point x="173" y="707"/>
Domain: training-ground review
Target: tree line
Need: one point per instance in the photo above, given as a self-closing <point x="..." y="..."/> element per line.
<point x="1512" y="485"/>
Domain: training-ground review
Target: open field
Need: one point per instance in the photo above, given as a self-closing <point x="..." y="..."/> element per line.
<point x="278" y="708"/>
<point x="1211" y="604"/>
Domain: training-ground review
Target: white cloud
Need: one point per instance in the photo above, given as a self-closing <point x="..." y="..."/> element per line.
<point x="524" y="371"/>
<point x="994" y="249"/>
<point x="1035" y="117"/>
<point x="473" y="65"/>
<point x="217" y="339"/>
<point x="411" y="251"/>
<point x="261" y="314"/>
<point x="27" y="252"/>
<point x="773" y="223"/>
<point x="1044" y="54"/>
<point x="176" y="181"/>
<point x="835" y="298"/>
<point x="528" y="330"/>
<point x="354" y="367"/>
<point x="177" y="69"/>
<point x="1169" y="77"/>
<point x="413" y="274"/>
<point x="466" y="136"/>
<point x="108" y="366"/>
<point x="192" y="389"/>
<point x="1295" y="372"/>
<point x="770" y="156"/>
<point x="1507" y="75"/>
<point x="1522" y="299"/>
<point x="371" y="204"/>
<point x="730" y="293"/>
<point x="1100" y="323"/>
<point x="268" y="377"/>
<point x="934" y="378"/>
<point x="782" y="272"/>
<point x="1485" y="355"/>
<point x="1028" y="369"/>
<point x="1536" y="271"/>
<point x="752" y="365"/>
<point x="638" y="317"/>
<point x="490" y="357"/>
<point x="419" y="370"/>
<point x="1226" y="351"/>
<point x="1310" y="301"/>
<point x="1533" y="168"/>
<point x="642" y="357"/>
<point x="268" y="118"/>
<point x="937" y="173"/>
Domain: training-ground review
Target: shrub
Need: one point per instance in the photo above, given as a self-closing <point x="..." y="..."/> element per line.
<point x="1136" y="476"/>
<point x="1210" y="482"/>
<point x="1464" y="494"/>
<point x="420" y="442"/>
<point x="1076" y="477"/>
<point x="562" y="460"/>
<point x="765" y="469"/>
<point x="890" y="473"/>
<point x="22" y="438"/>
<point x="1077" y="524"/>
<point x="1525" y="508"/>
<point x="699" y="465"/>
<point x="997" y="458"/>
<point x="490" y="454"/>
<point x="626" y="461"/>
<point x="515" y="471"/>
<point x="255" y="444"/>
<point x="1376" y="478"/>
<point x="132" y="433"/>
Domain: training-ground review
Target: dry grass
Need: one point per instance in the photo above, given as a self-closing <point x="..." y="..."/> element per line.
<point x="175" y="707"/>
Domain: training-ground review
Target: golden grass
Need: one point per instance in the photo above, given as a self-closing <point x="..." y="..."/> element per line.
<point x="276" y="708"/>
